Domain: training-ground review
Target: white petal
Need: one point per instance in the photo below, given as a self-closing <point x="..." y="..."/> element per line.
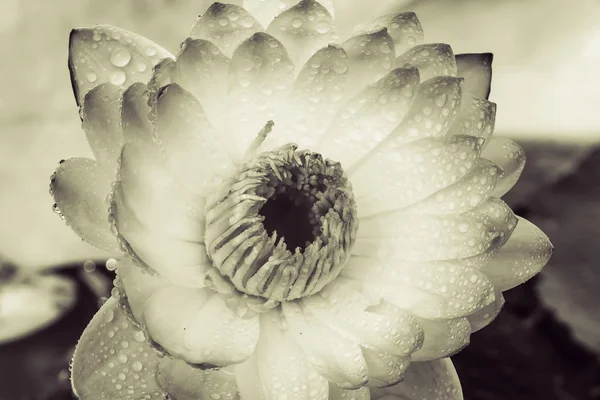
<point x="225" y="25"/>
<point x="367" y="119"/>
<point x="196" y="154"/>
<point x="260" y="77"/>
<point x="382" y="326"/>
<point x="510" y="157"/>
<point x="487" y="314"/>
<point x="396" y="177"/>
<point x="477" y="71"/>
<point x="384" y="369"/>
<point x="113" y="360"/>
<point x="139" y="284"/>
<point x="278" y="369"/>
<point x="466" y="194"/>
<point x="109" y="54"/>
<point x="79" y="187"/>
<point x="349" y="14"/>
<point x="184" y="382"/>
<point x="197" y="325"/>
<point x="136" y="126"/>
<point x="424" y="380"/>
<point x="314" y="99"/>
<point x="337" y="358"/>
<point x="303" y="29"/>
<point x="475" y="118"/>
<point x="443" y="338"/>
<point x="371" y="57"/>
<point x="523" y="256"/>
<point x="431" y="59"/>
<point x="404" y="28"/>
<point x="202" y="70"/>
<point x="429" y="290"/>
<point x="266" y="10"/>
<point x="101" y="115"/>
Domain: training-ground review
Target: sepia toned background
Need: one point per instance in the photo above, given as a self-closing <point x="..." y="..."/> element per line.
<point x="546" y="55"/>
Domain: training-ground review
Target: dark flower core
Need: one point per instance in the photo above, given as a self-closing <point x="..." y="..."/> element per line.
<point x="284" y="225"/>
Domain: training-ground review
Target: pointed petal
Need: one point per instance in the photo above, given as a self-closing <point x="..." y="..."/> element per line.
<point x="322" y="81"/>
<point x="225" y="25"/>
<point x="303" y="29"/>
<point x="443" y="338"/>
<point x="397" y="177"/>
<point x="371" y="56"/>
<point x="197" y="326"/>
<point x="487" y="314"/>
<point x="477" y="71"/>
<point x="184" y="382"/>
<point x="384" y="368"/>
<point x="278" y="368"/>
<point x="429" y="290"/>
<point x="266" y="10"/>
<point x="432" y="237"/>
<point x="404" y="28"/>
<point x="510" y="157"/>
<point x="109" y="54"/>
<point x="425" y="380"/>
<point x="260" y="77"/>
<point x="349" y="14"/>
<point x="197" y="155"/>
<point x="136" y="126"/>
<point x="522" y="257"/>
<point x="475" y="118"/>
<point x="381" y="327"/>
<point x="79" y="187"/>
<point x="339" y="359"/>
<point x="101" y="115"/>
<point x="202" y="70"/>
<point x="368" y="118"/>
<point x="430" y="59"/>
<point x="464" y="195"/>
<point x="113" y="360"/>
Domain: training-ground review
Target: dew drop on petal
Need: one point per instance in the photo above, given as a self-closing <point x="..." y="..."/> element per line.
<point x="111" y="264"/>
<point x="118" y="77"/>
<point x="120" y="57"/>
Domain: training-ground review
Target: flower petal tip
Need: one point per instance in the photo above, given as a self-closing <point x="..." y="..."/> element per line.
<point x="476" y="68"/>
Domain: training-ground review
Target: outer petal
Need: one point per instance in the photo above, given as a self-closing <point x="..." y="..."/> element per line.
<point x="198" y="326"/>
<point x="424" y="380"/>
<point x="109" y="54"/>
<point x="367" y="119"/>
<point x="113" y="360"/>
<point x="430" y="59"/>
<point x="397" y="177"/>
<point x="202" y="70"/>
<point x="303" y="29"/>
<point x="225" y="25"/>
<point x="476" y="117"/>
<point x="510" y="157"/>
<point x="477" y="71"/>
<point x="184" y="382"/>
<point x="443" y="338"/>
<point x="523" y="256"/>
<point x="196" y="154"/>
<point x="487" y="314"/>
<point x="404" y="28"/>
<point x="337" y="358"/>
<point x="428" y="290"/>
<point x="371" y="57"/>
<point x="337" y="393"/>
<point x="321" y="82"/>
<point x="466" y="194"/>
<point x="101" y="114"/>
<point x="260" y="77"/>
<point x="266" y="10"/>
<point x="278" y="369"/>
<point x="79" y="187"/>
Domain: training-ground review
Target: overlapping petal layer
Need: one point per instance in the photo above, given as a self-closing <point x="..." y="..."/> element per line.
<point x="411" y="125"/>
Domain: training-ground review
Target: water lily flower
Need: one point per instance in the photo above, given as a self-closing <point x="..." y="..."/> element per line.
<point x="308" y="207"/>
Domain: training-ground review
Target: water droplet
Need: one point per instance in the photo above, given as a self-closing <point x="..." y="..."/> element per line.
<point x="111" y="264"/>
<point x="150" y="51"/>
<point x="137" y="366"/>
<point x="91" y="77"/>
<point x="120" y="57"/>
<point x="139" y="336"/>
<point x="296" y="22"/>
<point x="118" y="77"/>
<point x="441" y="100"/>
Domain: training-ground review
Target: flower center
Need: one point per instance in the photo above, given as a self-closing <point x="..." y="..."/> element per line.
<point x="284" y="224"/>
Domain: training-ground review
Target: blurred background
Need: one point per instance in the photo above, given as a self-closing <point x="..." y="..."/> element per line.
<point x="545" y="344"/>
